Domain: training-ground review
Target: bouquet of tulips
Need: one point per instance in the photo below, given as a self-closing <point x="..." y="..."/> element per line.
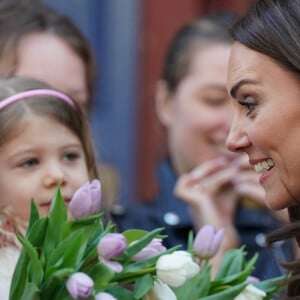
<point x="82" y="258"/>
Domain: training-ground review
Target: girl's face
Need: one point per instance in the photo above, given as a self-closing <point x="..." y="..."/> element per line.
<point x="42" y="154"/>
<point x="49" y="58"/>
<point x="198" y="114"/>
<point x="266" y="122"/>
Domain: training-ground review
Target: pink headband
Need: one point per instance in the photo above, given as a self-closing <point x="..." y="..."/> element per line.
<point x="39" y="92"/>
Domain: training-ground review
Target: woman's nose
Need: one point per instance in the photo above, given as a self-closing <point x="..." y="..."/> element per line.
<point x="237" y="139"/>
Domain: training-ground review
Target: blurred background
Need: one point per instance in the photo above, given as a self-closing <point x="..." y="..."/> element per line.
<point x="129" y="39"/>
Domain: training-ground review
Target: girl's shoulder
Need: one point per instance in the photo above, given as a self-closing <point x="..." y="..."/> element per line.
<point x="8" y="259"/>
<point x="9" y="225"/>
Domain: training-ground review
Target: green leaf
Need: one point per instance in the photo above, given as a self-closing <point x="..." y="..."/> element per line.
<point x="134" y="270"/>
<point x="56" y="284"/>
<point x="57" y="222"/>
<point x="229" y="293"/>
<point x="34" y="215"/>
<point x="36" y="237"/>
<point x="121" y="293"/>
<point x="142" y="286"/>
<point x="232" y="263"/>
<point x="69" y="253"/>
<point x="100" y="281"/>
<point x="271" y="286"/>
<point x="30" y="292"/>
<point x="190" y="241"/>
<point x="234" y="279"/>
<point x="35" y="268"/>
<point x="136" y="245"/>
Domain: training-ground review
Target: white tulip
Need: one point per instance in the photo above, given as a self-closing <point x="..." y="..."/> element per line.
<point x="251" y="293"/>
<point x="160" y="291"/>
<point x="174" y="269"/>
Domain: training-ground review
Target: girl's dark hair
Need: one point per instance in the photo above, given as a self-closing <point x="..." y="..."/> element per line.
<point x="200" y="32"/>
<point x="74" y="119"/>
<point x="21" y="17"/>
<point x="272" y="27"/>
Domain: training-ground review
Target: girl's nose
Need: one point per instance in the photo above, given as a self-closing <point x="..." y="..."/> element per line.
<point x="54" y="175"/>
<point x="237" y="140"/>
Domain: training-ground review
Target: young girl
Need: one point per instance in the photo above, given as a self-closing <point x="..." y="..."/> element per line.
<point x="44" y="140"/>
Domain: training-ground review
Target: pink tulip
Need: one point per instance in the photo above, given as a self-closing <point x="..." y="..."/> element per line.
<point x="112" y="245"/>
<point x="80" y="285"/>
<point x="208" y="241"/>
<point x="113" y="265"/>
<point x="155" y="247"/>
<point x="86" y="200"/>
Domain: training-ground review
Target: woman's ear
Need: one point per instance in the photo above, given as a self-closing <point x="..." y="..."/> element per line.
<point x="163" y="103"/>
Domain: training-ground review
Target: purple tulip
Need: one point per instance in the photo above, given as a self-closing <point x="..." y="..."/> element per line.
<point x="112" y="245"/>
<point x="208" y="241"/>
<point x="252" y="280"/>
<point x="155" y="247"/>
<point x="80" y="285"/>
<point x="86" y="200"/>
<point x="104" y="296"/>
<point x="113" y="265"/>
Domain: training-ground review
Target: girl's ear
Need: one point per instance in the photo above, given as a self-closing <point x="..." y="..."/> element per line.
<point x="163" y="103"/>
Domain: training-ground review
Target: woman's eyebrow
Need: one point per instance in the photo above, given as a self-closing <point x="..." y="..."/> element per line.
<point x="237" y="86"/>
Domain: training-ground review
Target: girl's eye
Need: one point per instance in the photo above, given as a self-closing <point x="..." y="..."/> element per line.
<point x="71" y="156"/>
<point x="249" y="103"/>
<point x="29" y="163"/>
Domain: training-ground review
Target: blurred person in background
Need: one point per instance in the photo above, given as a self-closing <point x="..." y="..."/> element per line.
<point x="39" y="42"/>
<point x="199" y="181"/>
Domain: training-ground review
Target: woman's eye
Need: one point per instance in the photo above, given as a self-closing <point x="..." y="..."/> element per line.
<point x="28" y="163"/>
<point x="249" y="103"/>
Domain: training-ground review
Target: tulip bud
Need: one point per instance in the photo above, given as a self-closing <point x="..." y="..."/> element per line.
<point x="208" y="241"/>
<point x="155" y="247"/>
<point x="252" y="280"/>
<point x="251" y="292"/>
<point x="160" y="291"/>
<point x="86" y="200"/>
<point x="104" y="296"/>
<point x="112" y="245"/>
<point x="113" y="265"/>
<point x="80" y="285"/>
<point x="174" y="269"/>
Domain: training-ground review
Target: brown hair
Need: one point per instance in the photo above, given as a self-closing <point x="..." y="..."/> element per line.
<point x="71" y="117"/>
<point x="272" y="27"/>
<point x="200" y="32"/>
<point x="21" y="17"/>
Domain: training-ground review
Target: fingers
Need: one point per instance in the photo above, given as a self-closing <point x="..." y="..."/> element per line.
<point x="246" y="184"/>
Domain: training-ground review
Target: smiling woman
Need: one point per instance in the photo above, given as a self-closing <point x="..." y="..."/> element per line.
<point x="264" y="85"/>
<point x="260" y="128"/>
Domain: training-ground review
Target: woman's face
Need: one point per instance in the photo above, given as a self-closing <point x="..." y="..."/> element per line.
<point x="266" y="122"/>
<point x="48" y="58"/>
<point x="198" y="114"/>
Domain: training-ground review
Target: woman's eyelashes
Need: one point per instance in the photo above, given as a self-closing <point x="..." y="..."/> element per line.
<point x="249" y="103"/>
